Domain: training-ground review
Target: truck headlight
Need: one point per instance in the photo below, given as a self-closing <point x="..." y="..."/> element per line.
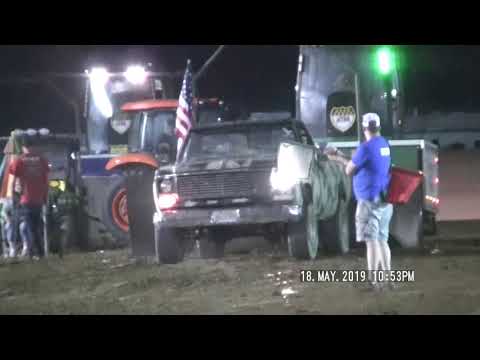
<point x="166" y="186"/>
<point x="282" y="182"/>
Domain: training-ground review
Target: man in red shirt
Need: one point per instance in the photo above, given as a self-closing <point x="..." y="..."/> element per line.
<point x="31" y="169"/>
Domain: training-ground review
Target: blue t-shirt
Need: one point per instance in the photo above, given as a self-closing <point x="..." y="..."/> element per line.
<point x="372" y="162"/>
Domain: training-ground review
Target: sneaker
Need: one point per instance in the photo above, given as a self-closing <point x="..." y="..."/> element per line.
<point x="12" y="253"/>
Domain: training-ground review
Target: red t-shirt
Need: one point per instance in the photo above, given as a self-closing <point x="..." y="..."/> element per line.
<point x="32" y="171"/>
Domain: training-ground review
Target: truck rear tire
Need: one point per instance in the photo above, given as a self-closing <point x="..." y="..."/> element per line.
<point x="336" y="231"/>
<point x="212" y="246"/>
<point x="303" y="236"/>
<point x="169" y="247"/>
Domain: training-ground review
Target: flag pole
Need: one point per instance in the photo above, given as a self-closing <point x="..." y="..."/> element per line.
<point x="209" y="62"/>
<point x="189" y="99"/>
<point x="204" y="69"/>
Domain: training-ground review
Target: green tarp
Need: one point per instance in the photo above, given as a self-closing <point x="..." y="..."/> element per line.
<point x="331" y="184"/>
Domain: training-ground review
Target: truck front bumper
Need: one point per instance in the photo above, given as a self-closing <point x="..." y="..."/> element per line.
<point x="248" y="215"/>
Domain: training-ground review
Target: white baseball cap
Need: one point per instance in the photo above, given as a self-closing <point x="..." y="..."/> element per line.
<point x="370" y="118"/>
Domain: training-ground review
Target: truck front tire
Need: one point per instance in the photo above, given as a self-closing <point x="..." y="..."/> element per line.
<point x="169" y="247"/>
<point x="303" y="236"/>
<point x="336" y="231"/>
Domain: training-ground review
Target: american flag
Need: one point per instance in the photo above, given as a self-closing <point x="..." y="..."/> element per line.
<point x="185" y="108"/>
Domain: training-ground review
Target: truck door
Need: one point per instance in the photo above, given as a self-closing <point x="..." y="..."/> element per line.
<point x="294" y="161"/>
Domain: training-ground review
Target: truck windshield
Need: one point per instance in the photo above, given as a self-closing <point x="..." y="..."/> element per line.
<point x="209" y="116"/>
<point x="253" y="141"/>
<point x="153" y="132"/>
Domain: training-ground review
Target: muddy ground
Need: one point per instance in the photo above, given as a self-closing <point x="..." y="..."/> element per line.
<point x="254" y="283"/>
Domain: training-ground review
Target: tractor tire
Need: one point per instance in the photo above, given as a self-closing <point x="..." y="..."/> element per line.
<point x="169" y="246"/>
<point x="336" y="231"/>
<point x="212" y="246"/>
<point x="303" y="236"/>
<point x="115" y="215"/>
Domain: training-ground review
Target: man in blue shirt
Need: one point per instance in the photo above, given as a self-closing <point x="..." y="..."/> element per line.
<point x="370" y="168"/>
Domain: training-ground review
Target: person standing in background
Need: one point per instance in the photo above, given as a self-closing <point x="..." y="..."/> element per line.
<point x="31" y="169"/>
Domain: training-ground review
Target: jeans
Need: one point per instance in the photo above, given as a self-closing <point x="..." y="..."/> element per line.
<point x="7" y="237"/>
<point x="32" y="215"/>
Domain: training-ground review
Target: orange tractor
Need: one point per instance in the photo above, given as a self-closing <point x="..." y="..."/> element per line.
<point x="152" y="143"/>
<point x="129" y="116"/>
<point x="130" y="130"/>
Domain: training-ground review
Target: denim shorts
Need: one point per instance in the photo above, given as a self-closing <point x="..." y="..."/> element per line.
<point x="373" y="220"/>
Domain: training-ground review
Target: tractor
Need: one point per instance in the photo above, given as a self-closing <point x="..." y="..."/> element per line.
<point x="121" y="113"/>
<point x="152" y="144"/>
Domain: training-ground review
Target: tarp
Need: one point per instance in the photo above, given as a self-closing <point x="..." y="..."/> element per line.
<point x="328" y="177"/>
<point x="331" y="185"/>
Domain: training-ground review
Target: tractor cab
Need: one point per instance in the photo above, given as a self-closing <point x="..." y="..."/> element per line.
<point x="152" y="128"/>
<point x="61" y="212"/>
<point x="151" y="125"/>
<point x="60" y="150"/>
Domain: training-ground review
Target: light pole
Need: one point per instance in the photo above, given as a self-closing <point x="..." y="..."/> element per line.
<point x="386" y="67"/>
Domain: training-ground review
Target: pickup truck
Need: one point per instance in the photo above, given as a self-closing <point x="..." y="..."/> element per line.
<point x="247" y="178"/>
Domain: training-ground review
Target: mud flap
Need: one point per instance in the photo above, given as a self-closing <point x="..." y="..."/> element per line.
<point x="407" y="223"/>
<point x="141" y="210"/>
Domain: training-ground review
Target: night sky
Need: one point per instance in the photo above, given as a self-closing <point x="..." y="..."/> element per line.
<point x="438" y="78"/>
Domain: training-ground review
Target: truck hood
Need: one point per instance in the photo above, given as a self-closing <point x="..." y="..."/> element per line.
<point x="216" y="165"/>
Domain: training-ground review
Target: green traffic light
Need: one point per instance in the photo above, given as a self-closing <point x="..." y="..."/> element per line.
<point x="385" y="60"/>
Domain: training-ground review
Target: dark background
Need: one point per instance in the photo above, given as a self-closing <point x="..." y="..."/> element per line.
<point x="262" y="77"/>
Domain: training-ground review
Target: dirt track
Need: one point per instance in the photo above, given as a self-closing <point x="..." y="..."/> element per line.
<point x="109" y="283"/>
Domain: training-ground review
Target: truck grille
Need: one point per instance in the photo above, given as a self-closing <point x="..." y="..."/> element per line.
<point x="224" y="185"/>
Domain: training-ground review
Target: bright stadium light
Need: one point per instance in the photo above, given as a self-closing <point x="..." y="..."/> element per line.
<point x="98" y="80"/>
<point x="44" y="132"/>
<point x="136" y="75"/>
<point x="99" y="76"/>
